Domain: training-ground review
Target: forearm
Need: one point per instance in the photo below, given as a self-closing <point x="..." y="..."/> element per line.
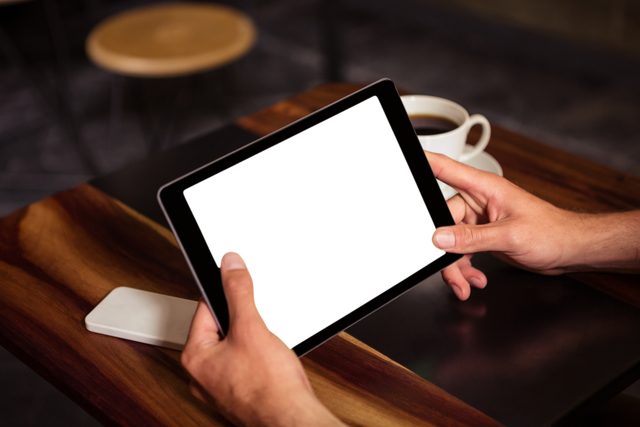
<point x="608" y="242"/>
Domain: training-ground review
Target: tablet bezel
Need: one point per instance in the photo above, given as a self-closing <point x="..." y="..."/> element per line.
<point x="207" y="272"/>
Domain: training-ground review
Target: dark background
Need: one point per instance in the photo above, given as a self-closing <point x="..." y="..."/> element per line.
<point x="564" y="72"/>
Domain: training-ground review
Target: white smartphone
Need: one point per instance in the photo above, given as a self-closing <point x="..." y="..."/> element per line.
<point x="143" y="316"/>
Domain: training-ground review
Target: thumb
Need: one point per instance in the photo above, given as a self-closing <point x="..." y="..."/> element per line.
<point x="238" y="288"/>
<point x="466" y="239"/>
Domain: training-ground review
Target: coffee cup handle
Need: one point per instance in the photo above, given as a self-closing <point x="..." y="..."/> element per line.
<point x="478" y="119"/>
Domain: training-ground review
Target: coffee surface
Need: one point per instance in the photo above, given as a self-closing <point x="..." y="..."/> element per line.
<point x="431" y="125"/>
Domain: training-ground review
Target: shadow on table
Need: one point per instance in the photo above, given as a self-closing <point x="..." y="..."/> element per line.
<point x="526" y="350"/>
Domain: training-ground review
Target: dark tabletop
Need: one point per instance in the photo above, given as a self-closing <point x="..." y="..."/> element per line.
<point x="528" y="350"/>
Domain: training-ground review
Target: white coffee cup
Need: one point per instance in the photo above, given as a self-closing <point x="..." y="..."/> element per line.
<point x="451" y="143"/>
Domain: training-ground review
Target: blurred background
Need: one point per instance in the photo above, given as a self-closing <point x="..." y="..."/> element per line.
<point x="565" y="72"/>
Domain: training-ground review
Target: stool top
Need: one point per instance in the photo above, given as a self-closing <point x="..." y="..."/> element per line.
<point x="172" y="39"/>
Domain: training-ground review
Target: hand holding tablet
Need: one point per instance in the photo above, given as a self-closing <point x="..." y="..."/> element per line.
<point x="334" y="214"/>
<point x="251" y="378"/>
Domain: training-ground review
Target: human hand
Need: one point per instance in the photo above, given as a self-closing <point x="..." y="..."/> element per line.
<point x="250" y="376"/>
<point x="494" y="215"/>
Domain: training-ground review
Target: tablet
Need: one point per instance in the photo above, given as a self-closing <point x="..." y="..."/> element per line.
<point x="333" y="215"/>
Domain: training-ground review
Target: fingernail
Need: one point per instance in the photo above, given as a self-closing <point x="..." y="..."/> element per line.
<point x="233" y="261"/>
<point x="456" y="290"/>
<point x="475" y="282"/>
<point x="444" y="238"/>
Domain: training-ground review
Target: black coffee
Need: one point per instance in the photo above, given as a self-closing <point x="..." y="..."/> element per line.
<point x="431" y="125"/>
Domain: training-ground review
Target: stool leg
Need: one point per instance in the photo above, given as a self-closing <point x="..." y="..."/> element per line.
<point x="220" y="89"/>
<point x="115" y="115"/>
<point x="62" y="90"/>
<point x="330" y="20"/>
<point x="159" y="127"/>
<point x="61" y="112"/>
<point x="10" y="51"/>
<point x="183" y="99"/>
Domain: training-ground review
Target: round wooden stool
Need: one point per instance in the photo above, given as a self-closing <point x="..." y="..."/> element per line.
<point x="163" y="41"/>
<point x="169" y="40"/>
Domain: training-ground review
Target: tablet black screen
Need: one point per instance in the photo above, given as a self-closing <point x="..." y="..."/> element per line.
<point x="329" y="220"/>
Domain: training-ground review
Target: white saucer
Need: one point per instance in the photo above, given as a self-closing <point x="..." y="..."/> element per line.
<point x="483" y="161"/>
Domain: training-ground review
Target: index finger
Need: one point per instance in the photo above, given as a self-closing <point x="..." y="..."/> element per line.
<point x="463" y="178"/>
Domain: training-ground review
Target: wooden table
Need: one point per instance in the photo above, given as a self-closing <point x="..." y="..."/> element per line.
<point x="59" y="257"/>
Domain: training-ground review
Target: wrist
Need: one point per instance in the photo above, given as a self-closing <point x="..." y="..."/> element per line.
<point x="299" y="407"/>
<point x="606" y="242"/>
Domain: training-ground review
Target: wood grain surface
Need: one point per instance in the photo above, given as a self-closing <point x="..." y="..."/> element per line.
<point x="562" y="178"/>
<point x="61" y="256"/>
